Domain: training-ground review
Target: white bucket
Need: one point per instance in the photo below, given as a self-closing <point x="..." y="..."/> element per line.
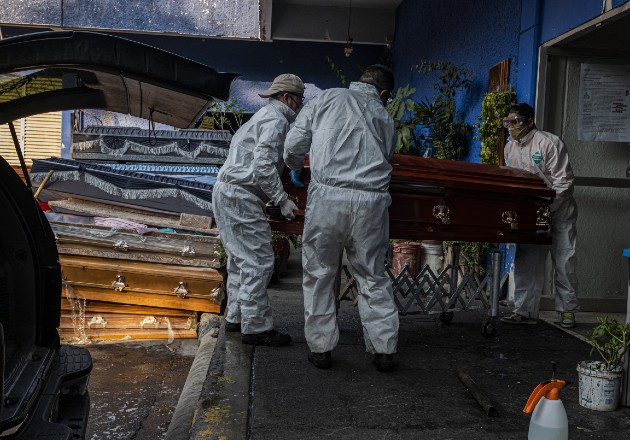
<point x="599" y="389"/>
<point x="432" y="254"/>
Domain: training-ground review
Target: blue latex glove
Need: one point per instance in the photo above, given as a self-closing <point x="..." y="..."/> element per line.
<point x="295" y="178"/>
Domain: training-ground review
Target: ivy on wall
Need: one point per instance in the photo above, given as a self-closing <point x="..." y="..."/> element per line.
<point x="490" y="123"/>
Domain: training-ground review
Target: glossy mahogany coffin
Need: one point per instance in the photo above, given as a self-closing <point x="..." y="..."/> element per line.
<point x="435" y="199"/>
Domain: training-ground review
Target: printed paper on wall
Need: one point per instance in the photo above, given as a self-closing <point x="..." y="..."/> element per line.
<point x="604" y="112"/>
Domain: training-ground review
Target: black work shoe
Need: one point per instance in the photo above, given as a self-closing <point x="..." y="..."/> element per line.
<point x="232" y="327"/>
<point x="320" y="360"/>
<point x="270" y="338"/>
<point x="384" y="362"/>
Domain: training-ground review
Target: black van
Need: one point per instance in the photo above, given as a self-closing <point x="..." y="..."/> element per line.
<point x="45" y="384"/>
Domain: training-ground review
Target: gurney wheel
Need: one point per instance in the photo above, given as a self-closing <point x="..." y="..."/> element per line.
<point x="489" y="327"/>
<point x="446" y="317"/>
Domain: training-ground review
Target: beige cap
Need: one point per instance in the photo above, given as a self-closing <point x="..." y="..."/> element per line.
<point x="286" y="82"/>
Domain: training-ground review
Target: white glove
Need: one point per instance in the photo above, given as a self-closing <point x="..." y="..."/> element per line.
<point x="287" y="207"/>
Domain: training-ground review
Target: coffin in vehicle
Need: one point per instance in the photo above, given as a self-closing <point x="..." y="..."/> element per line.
<point x="436" y="199"/>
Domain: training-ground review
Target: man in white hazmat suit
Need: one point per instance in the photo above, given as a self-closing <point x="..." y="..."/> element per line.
<point x="544" y="154"/>
<point x="350" y="137"/>
<point x="249" y="179"/>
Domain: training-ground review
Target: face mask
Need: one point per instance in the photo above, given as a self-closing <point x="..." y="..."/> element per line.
<point x="518" y="132"/>
<point x="291" y="115"/>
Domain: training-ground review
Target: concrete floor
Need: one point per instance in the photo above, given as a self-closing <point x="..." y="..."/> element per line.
<point x="276" y="394"/>
<point x="135" y="386"/>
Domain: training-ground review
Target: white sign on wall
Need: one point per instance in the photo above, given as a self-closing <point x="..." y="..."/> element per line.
<point x="604" y="111"/>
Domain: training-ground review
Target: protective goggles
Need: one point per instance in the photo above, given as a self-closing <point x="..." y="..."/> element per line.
<point x="520" y="120"/>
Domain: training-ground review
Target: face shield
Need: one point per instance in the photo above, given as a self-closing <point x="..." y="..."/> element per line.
<point x="517" y="125"/>
<point x="517" y="121"/>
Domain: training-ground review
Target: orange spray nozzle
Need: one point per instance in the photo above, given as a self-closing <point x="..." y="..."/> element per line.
<point x="550" y="389"/>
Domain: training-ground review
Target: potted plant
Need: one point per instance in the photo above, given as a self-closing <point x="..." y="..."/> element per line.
<point x="442" y="133"/>
<point x="600" y="380"/>
<point x="401" y="108"/>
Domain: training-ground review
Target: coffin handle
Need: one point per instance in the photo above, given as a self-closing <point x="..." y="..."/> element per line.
<point x="119" y="283"/>
<point x="442" y="213"/>
<point x="543" y="216"/>
<point x="121" y="245"/>
<point x="218" y="293"/>
<point x="97" y="320"/>
<point x="188" y="251"/>
<point x="151" y="321"/>
<point x="511" y="218"/>
<point x="181" y="290"/>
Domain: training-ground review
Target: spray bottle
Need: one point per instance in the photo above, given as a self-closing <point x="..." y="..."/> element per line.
<point x="549" y="419"/>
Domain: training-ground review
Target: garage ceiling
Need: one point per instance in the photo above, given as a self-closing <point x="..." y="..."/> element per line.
<point x="365" y="21"/>
<point x="393" y="4"/>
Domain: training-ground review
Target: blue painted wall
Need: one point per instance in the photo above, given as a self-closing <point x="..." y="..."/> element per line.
<point x="559" y="16"/>
<point x="262" y="61"/>
<point x="476" y="34"/>
<point x="480" y="34"/>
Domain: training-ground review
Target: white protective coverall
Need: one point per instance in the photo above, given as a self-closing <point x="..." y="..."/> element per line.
<point x="249" y="179"/>
<point x="546" y="155"/>
<point x="350" y="137"/>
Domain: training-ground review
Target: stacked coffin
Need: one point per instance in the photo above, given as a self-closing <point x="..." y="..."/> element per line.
<point x="133" y="222"/>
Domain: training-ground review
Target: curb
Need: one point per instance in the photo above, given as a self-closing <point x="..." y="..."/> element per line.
<point x="221" y="411"/>
<point x="182" y="418"/>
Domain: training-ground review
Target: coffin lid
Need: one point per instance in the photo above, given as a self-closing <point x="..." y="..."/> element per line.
<point x="65" y="70"/>
<point x="414" y="170"/>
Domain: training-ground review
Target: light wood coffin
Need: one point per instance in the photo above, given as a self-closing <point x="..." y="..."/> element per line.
<point x="91" y="320"/>
<point x="71" y="306"/>
<point x="434" y="199"/>
<point x="156" y="247"/>
<point x="86" y="319"/>
<point x="73" y="335"/>
<point x="139" y="283"/>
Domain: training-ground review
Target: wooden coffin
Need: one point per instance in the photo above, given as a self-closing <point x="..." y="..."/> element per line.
<point x="91" y="320"/>
<point x="74" y="335"/>
<point x="181" y="221"/>
<point x="434" y="199"/>
<point x="140" y="283"/>
<point x="86" y="319"/>
<point x="70" y="305"/>
<point x="156" y="247"/>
